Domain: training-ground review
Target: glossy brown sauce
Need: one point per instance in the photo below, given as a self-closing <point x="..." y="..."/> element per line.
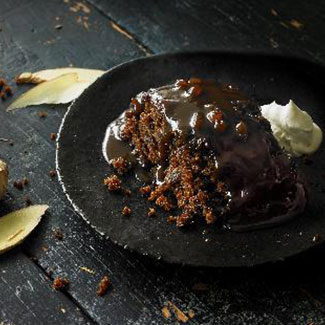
<point x="263" y="186"/>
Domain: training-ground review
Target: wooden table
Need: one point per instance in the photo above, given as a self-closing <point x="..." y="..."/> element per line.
<point x="41" y="34"/>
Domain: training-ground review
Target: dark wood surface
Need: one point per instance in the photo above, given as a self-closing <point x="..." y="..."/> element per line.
<point x="291" y="292"/>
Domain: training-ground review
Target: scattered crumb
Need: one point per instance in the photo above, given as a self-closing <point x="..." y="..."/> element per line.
<point x="113" y="183"/>
<point x="28" y="201"/>
<point x="163" y="202"/>
<point x="296" y="24"/>
<point x="151" y="212"/>
<point x="11" y="142"/>
<point x="52" y="173"/>
<point x="181" y="317"/>
<point x="317" y="238"/>
<point x="86" y="269"/>
<point x="283" y="24"/>
<point x="103" y="285"/>
<point x="18" y="185"/>
<point x="42" y="114"/>
<point x="57" y="233"/>
<point x="2" y="95"/>
<point x="53" y="136"/>
<point x="44" y="248"/>
<point x="171" y="219"/>
<point x="63" y="310"/>
<point x="58" y="27"/>
<point x="8" y="90"/>
<point x="60" y="283"/>
<point x="126" y="211"/>
<point x="2" y="83"/>
<point x="121" y="165"/>
<point x="145" y="190"/>
<point x="166" y="312"/>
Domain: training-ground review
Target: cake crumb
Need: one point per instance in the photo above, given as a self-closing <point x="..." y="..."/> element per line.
<point x="52" y="173"/>
<point x="121" y="165"/>
<point x="103" y="285"/>
<point x="166" y="312"/>
<point x="52" y="136"/>
<point x="171" y="219"/>
<point x="18" y="184"/>
<point x="126" y="211"/>
<point x="42" y="114"/>
<point x="113" y="183"/>
<point x="145" y="190"/>
<point x="60" y="283"/>
<point x="151" y="212"/>
<point x="164" y="203"/>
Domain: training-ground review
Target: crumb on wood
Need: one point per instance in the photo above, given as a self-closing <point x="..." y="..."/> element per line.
<point x="60" y="283"/>
<point x="103" y="286"/>
<point x="42" y="114"/>
<point x="113" y="183"/>
<point x="53" y="136"/>
<point x="52" y="173"/>
<point x="126" y="211"/>
<point x="145" y="190"/>
<point x="58" y="234"/>
<point x="18" y="184"/>
<point x="171" y="219"/>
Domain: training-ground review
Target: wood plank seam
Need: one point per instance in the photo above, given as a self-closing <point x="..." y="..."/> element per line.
<point x="64" y="292"/>
<point x="122" y="30"/>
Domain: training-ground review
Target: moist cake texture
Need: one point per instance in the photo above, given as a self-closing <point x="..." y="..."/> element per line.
<point x="203" y="152"/>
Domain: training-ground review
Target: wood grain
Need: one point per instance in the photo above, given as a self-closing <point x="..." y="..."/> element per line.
<point x="289" y="293"/>
<point x="28" y="298"/>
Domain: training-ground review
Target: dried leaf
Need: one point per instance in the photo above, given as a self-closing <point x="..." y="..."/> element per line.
<point x="46" y="75"/>
<point x="3" y="178"/>
<point x="17" y="225"/>
<point x="61" y="90"/>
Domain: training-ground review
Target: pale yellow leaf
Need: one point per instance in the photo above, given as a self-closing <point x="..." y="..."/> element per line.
<point x="49" y="74"/>
<point x="17" y="225"/>
<point x="60" y="90"/>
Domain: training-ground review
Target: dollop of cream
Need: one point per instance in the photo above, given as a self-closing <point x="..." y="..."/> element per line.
<point x="293" y="128"/>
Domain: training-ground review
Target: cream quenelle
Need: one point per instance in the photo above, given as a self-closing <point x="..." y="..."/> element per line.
<point x="293" y="128"/>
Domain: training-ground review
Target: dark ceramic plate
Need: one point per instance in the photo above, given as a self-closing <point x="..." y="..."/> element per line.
<point x="82" y="167"/>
